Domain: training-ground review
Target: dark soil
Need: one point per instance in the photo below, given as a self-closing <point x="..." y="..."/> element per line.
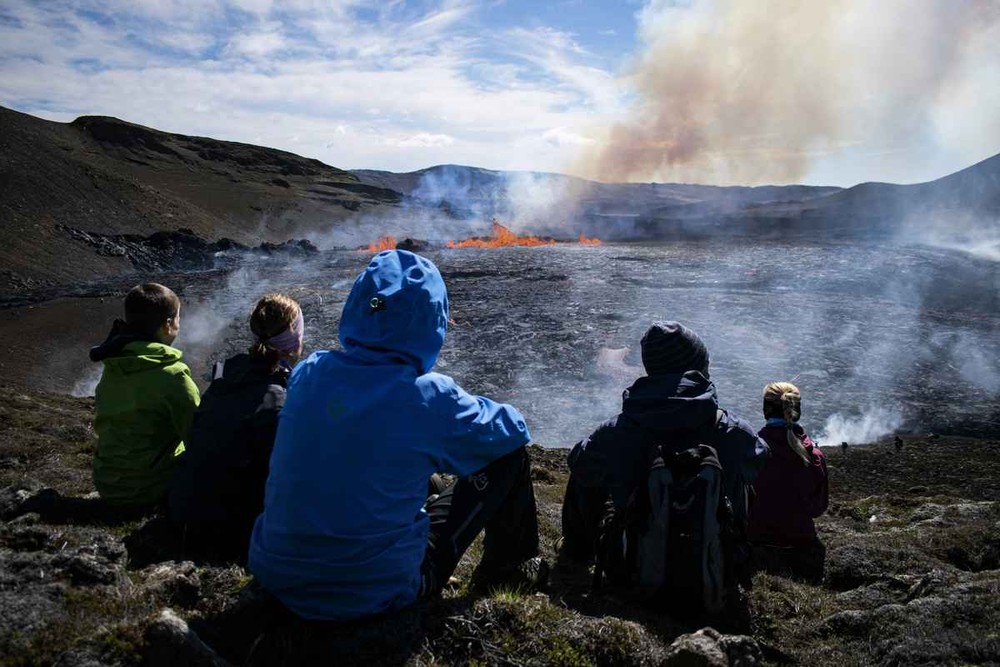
<point x="912" y="578"/>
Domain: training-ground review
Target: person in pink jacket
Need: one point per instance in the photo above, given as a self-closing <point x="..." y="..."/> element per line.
<point x="791" y="491"/>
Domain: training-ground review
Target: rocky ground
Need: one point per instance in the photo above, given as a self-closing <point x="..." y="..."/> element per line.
<point x="912" y="578"/>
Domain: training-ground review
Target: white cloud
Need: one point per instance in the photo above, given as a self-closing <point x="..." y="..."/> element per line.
<point x="360" y="83"/>
<point x="401" y="92"/>
<point x="398" y="93"/>
<point x="423" y="140"/>
<point x="561" y="136"/>
<point x="257" y="44"/>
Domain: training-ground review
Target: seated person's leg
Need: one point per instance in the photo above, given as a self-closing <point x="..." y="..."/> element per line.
<point x="500" y="499"/>
<point x="53" y="507"/>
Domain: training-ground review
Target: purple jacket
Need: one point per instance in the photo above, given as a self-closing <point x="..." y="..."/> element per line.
<point x="789" y="494"/>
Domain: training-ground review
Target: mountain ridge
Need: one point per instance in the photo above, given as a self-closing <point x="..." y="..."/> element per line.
<point x="102" y="175"/>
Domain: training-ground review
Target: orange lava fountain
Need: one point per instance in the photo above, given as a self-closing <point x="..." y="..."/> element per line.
<point x="384" y="242"/>
<point x="502" y="236"/>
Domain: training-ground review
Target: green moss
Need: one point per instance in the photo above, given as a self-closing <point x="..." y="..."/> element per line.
<point x="563" y="654"/>
<point x="123" y="645"/>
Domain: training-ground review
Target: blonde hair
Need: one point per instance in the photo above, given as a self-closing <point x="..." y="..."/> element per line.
<point x="783" y="399"/>
<point x="272" y="314"/>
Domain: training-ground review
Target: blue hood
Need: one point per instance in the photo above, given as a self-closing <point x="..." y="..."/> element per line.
<point x="397" y="311"/>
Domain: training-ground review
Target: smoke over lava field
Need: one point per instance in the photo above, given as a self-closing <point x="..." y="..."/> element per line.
<point x="879" y="338"/>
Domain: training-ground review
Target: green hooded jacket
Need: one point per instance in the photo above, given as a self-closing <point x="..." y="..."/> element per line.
<point x="145" y="401"/>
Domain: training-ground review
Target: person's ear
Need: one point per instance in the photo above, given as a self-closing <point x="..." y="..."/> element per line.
<point x="168" y="330"/>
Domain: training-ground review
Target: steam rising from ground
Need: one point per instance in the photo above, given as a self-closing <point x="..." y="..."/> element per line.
<point x="975" y="235"/>
<point x="729" y="91"/>
<point x="452" y="203"/>
<point x="878" y="338"/>
<point x="867" y="427"/>
<point x="87" y="384"/>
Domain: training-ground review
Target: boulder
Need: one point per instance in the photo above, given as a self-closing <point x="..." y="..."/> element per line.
<point x="173" y="583"/>
<point x="169" y="641"/>
<point x="709" y="648"/>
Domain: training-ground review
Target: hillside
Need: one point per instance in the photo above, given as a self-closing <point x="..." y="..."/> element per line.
<point x="105" y="176"/>
<point x="66" y="187"/>
<point x="610" y="210"/>
<point x="965" y="202"/>
<point x="970" y="198"/>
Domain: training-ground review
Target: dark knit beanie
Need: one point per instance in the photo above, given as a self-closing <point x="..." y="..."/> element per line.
<point x="670" y="347"/>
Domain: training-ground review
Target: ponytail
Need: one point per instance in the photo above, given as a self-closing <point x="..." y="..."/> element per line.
<point x="276" y="323"/>
<point x="783" y="399"/>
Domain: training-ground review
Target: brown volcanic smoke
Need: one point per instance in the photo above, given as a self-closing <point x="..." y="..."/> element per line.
<point x="749" y="91"/>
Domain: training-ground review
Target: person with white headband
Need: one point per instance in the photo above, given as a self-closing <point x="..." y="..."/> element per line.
<point x="218" y="487"/>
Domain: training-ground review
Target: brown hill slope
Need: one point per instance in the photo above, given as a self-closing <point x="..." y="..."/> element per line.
<point x="966" y="201"/>
<point x="107" y="176"/>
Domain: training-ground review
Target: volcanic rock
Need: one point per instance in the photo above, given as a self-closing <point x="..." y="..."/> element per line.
<point x="413" y="245"/>
<point x="699" y="649"/>
<point x="180" y="250"/>
<point x="176" y="583"/>
<point x="171" y="642"/>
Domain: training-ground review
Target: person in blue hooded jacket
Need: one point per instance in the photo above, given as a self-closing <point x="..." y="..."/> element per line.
<point x="345" y="532"/>
<point x="674" y="402"/>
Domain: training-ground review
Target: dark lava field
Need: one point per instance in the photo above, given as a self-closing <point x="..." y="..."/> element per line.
<point x="879" y="338"/>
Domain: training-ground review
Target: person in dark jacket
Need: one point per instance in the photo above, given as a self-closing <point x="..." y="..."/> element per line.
<point x="217" y="489"/>
<point x="675" y="401"/>
<point x="791" y="491"/>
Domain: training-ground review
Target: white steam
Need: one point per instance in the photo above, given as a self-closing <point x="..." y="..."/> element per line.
<point x="974" y="235"/>
<point x="865" y="428"/>
<point x="87" y="384"/>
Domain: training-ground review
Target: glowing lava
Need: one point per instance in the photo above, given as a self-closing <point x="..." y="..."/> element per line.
<point x="384" y="242"/>
<point x="502" y="236"/>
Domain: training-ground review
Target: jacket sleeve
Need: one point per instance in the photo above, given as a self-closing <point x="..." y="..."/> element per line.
<point x="588" y="461"/>
<point x="747" y="452"/>
<point x="258" y="432"/>
<point x="261" y="427"/>
<point x="612" y="458"/>
<point x="756" y="455"/>
<point x="182" y="402"/>
<point x="743" y="455"/>
<point x="477" y="430"/>
<point x="816" y="497"/>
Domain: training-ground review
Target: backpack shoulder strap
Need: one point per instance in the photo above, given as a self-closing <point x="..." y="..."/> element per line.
<point x="218" y="370"/>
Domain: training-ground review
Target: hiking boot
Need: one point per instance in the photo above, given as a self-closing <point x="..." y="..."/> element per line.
<point x="527" y="576"/>
<point x="44" y="503"/>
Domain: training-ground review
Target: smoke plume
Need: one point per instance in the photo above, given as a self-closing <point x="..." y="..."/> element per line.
<point x="728" y="91"/>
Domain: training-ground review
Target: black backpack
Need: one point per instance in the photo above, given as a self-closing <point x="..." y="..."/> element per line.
<point x="674" y="541"/>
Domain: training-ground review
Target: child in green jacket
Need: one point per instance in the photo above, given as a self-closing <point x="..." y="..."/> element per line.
<point x="144" y="401"/>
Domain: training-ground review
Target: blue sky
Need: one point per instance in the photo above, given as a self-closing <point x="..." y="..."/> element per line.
<point x="522" y="85"/>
